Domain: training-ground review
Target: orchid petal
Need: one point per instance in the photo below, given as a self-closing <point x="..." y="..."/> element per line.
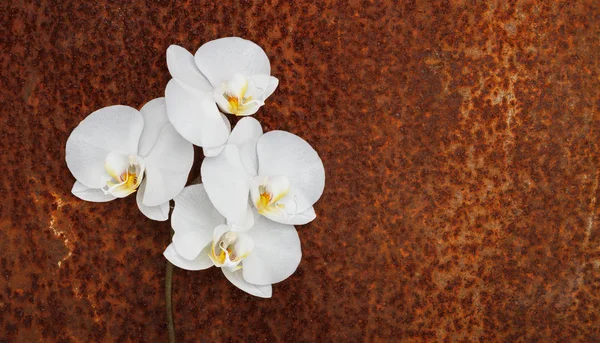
<point x="214" y="151"/>
<point x="244" y="244"/>
<point x="167" y="167"/>
<point x="284" y="217"/>
<point x="188" y="244"/>
<point x="219" y="60"/>
<point x="202" y="261"/>
<point x="219" y="231"/>
<point x="227" y="184"/>
<point x="195" y="115"/>
<point x="90" y="194"/>
<point x="247" y="225"/>
<point x="260" y="87"/>
<point x="110" y="129"/>
<point x="236" y="278"/>
<point x="159" y="212"/>
<point x="194" y="213"/>
<point x="276" y="253"/>
<point x="283" y="153"/>
<point x="182" y="67"/>
<point x="155" y="120"/>
<point x="245" y="135"/>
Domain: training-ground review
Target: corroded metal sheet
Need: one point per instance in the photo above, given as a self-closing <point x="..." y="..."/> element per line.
<point x="460" y="140"/>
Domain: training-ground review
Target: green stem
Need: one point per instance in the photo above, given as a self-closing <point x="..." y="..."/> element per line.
<point x="168" y="283"/>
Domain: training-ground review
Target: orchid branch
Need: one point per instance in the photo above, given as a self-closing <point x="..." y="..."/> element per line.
<point x="169" y="304"/>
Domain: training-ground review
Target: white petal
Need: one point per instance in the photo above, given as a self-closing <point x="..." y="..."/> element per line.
<point x="182" y="67"/>
<point x="218" y="232"/>
<point x="276" y="253"/>
<point x="199" y="263"/>
<point x="195" y="115"/>
<point x="260" y="87"/>
<point x="283" y="153"/>
<point x="188" y="244"/>
<point x="167" y="167"/>
<point x="214" y="151"/>
<point x="277" y="187"/>
<point x="227" y="123"/>
<point x="219" y="60"/>
<point x="227" y="184"/>
<point x="292" y="218"/>
<point x="244" y="244"/>
<point x="90" y="194"/>
<point x="271" y="87"/>
<point x="245" y="135"/>
<point x="155" y="119"/>
<point x="115" y="164"/>
<point x="159" y="212"/>
<point x="195" y="213"/>
<point x="237" y="279"/>
<point x="244" y="226"/>
<point x="221" y="100"/>
<point x="114" y="128"/>
<point x="237" y="85"/>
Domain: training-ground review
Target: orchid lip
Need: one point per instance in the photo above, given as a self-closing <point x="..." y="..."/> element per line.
<point x="240" y="96"/>
<point x="126" y="174"/>
<point x="269" y="194"/>
<point x="228" y="250"/>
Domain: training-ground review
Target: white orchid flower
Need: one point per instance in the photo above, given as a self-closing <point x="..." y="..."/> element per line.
<point x="118" y="150"/>
<point x="252" y="260"/>
<point x="231" y="74"/>
<point x="279" y="172"/>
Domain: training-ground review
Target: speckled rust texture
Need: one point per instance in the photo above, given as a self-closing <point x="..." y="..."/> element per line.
<point x="461" y="146"/>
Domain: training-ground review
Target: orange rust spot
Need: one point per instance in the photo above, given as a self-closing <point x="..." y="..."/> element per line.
<point x="432" y="60"/>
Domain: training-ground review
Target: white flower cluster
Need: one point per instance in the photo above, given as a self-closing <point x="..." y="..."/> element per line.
<point x="255" y="185"/>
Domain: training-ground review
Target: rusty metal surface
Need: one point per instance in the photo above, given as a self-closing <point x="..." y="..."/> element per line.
<point x="461" y="145"/>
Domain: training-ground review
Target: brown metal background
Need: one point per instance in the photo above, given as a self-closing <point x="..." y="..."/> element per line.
<point x="461" y="146"/>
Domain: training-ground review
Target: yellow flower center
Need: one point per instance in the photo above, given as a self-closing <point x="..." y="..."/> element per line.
<point x="238" y="96"/>
<point x="267" y="200"/>
<point x="230" y="249"/>
<point x="237" y="104"/>
<point x="126" y="174"/>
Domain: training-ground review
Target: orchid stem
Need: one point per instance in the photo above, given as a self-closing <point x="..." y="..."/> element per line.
<point x="168" y="292"/>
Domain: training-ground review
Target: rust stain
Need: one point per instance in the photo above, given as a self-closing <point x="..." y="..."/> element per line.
<point x="58" y="232"/>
